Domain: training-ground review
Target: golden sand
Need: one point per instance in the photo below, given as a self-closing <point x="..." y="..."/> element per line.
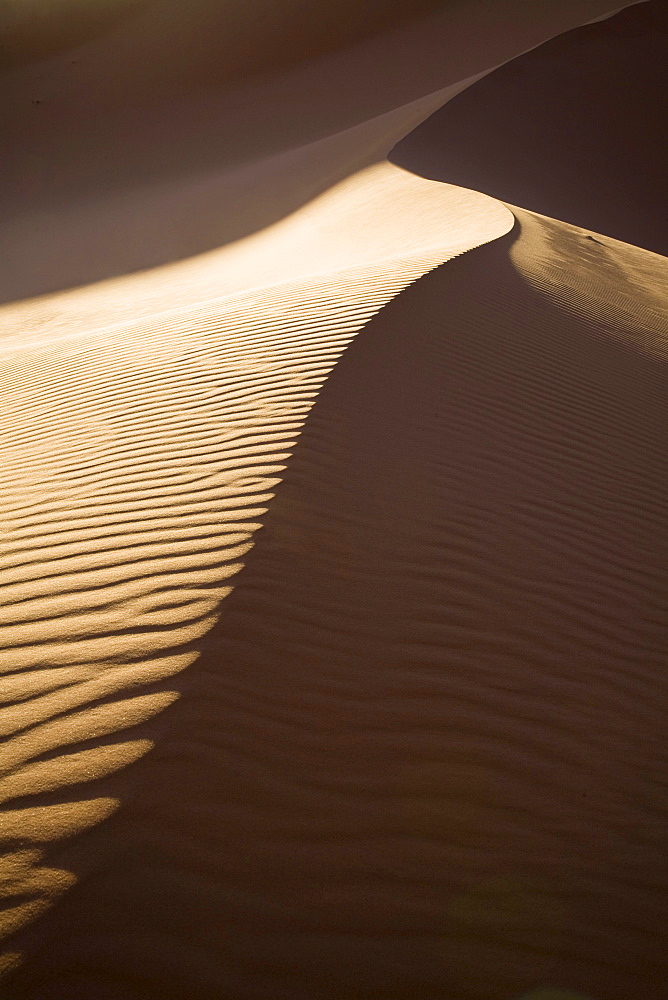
<point x="332" y="578"/>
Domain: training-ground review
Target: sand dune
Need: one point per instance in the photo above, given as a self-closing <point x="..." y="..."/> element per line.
<point x="568" y="130"/>
<point x="139" y="461"/>
<point x="114" y="172"/>
<point x="333" y="565"/>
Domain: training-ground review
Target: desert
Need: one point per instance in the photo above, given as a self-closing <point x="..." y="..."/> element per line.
<point x="333" y="565"/>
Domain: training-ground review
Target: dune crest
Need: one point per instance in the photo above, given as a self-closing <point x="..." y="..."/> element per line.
<point x="116" y="172"/>
<point x="314" y="644"/>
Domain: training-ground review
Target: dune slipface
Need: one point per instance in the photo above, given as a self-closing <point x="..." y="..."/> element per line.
<point x="333" y="576"/>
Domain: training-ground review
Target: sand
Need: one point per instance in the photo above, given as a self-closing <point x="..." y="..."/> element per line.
<point x="597" y="164"/>
<point x="333" y="567"/>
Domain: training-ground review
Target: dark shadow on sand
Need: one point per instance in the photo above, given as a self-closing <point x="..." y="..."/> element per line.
<point x="572" y="130"/>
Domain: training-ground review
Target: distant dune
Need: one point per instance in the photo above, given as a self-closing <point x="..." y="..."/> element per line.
<point x="334" y="537"/>
<point x="570" y="130"/>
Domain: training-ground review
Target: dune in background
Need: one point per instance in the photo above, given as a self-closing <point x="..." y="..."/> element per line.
<point x="419" y="752"/>
<point x="333" y="565"/>
<point x="570" y="130"/>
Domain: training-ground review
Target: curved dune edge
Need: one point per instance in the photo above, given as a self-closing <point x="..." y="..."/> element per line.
<point x="139" y="461"/>
<point x="378" y="212"/>
<point x="419" y="751"/>
<point x="107" y="173"/>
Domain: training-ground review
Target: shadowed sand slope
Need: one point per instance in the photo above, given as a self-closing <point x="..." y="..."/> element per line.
<point x="421" y="752"/>
<point x="571" y="129"/>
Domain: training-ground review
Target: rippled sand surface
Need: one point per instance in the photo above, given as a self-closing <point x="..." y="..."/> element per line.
<point x="333" y="604"/>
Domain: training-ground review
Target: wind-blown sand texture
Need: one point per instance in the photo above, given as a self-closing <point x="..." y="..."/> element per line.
<point x="334" y="579"/>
